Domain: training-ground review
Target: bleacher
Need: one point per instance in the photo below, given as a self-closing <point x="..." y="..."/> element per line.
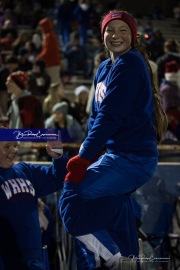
<point x="168" y="27"/>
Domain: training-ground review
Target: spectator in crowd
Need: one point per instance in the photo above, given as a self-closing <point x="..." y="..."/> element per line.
<point x="37" y="14"/>
<point x="82" y="14"/>
<point x="76" y="56"/>
<point x="171" y="53"/>
<point x="11" y="64"/>
<point x="8" y="34"/>
<point x="39" y="81"/>
<point x="20" y="42"/>
<point x="8" y="15"/>
<point x="32" y="51"/>
<point x="22" y="11"/>
<point x="71" y="130"/>
<point x="65" y="20"/>
<point x="25" y="110"/>
<point x="176" y="12"/>
<point x="127" y="118"/>
<point x="156" y="44"/>
<point x="50" y="51"/>
<point x="21" y="186"/>
<point x="79" y="105"/>
<point x="148" y="31"/>
<point x="55" y="95"/>
<point x="170" y="94"/>
<point x="8" y="29"/>
<point x="24" y="63"/>
<point x="6" y="43"/>
<point x="36" y="38"/>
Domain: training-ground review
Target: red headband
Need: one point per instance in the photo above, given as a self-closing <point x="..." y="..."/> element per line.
<point x="123" y="16"/>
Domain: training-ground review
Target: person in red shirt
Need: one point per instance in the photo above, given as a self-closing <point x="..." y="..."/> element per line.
<point x="50" y="51"/>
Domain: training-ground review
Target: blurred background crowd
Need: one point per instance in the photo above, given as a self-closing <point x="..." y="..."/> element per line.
<point x="49" y="52"/>
<point x="58" y="44"/>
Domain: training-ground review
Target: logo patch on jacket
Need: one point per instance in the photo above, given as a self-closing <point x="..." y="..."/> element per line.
<point x="100" y="92"/>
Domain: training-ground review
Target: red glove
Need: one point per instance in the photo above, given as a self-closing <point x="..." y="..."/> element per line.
<point x="76" y="167"/>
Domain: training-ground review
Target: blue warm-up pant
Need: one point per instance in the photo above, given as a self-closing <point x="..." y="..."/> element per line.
<point x="99" y="210"/>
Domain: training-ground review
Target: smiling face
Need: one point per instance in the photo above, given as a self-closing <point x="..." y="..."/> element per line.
<point x="8" y="152"/>
<point x="117" y="38"/>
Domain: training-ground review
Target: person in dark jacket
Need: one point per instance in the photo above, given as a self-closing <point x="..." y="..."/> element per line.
<point x="65" y="20"/>
<point x="171" y="53"/>
<point x="39" y="81"/>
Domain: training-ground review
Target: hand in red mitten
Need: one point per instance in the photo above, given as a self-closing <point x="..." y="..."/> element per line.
<point x="76" y="167"/>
